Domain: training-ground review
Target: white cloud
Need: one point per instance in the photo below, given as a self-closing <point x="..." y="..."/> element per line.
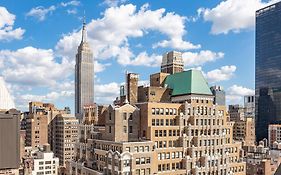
<point x="240" y="90"/>
<point x="232" y="15"/>
<point x="7" y="21"/>
<point x="113" y="3"/>
<point x="98" y="67"/>
<point x="40" y="12"/>
<point x="70" y="3"/>
<point x="200" y="58"/>
<point x="34" y="67"/>
<point x="222" y="74"/>
<point x="236" y="93"/>
<point x="72" y="11"/>
<point x="110" y="34"/>
<point x="51" y="97"/>
<point x="143" y="59"/>
<point x="106" y="93"/>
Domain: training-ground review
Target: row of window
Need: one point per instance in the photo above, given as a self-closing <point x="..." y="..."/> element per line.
<point x="200" y="132"/>
<point x="168" y="122"/>
<point x="201" y="122"/>
<point x="168" y="155"/>
<point x="168" y="167"/>
<point x="163" y="144"/>
<point x="139" y="149"/>
<point x="142" y="171"/>
<point x="162" y="111"/>
<point x="201" y="110"/>
<point x="142" y="160"/>
<point x="46" y="172"/>
<point x="47" y="162"/>
<point x="163" y="133"/>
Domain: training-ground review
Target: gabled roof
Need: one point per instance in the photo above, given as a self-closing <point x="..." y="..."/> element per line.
<point x="188" y="82"/>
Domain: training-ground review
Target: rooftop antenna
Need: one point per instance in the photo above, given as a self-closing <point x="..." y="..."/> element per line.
<point x="84" y="32"/>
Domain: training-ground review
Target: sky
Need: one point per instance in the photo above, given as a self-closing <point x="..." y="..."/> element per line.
<point x="39" y="39"/>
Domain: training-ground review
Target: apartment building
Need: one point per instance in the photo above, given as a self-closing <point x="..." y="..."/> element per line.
<point x="40" y="161"/>
<point x="244" y="131"/>
<point x="274" y="134"/>
<point x="64" y="135"/>
<point x="37" y="120"/>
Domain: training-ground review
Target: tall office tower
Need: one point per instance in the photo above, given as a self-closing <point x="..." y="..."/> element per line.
<point x="38" y="131"/>
<point x="84" y="75"/>
<point x="249" y="106"/>
<point x="9" y="142"/>
<point x="219" y="94"/>
<point x="236" y="112"/>
<point x="268" y="60"/>
<point x="172" y="62"/>
<point x="65" y="134"/>
<point x="6" y="102"/>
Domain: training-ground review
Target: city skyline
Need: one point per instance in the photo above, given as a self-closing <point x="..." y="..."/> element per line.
<point x="125" y="35"/>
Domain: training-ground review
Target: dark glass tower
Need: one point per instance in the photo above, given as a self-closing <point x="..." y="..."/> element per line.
<point x="268" y="68"/>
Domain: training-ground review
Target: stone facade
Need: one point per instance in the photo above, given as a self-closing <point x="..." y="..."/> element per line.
<point x="162" y="133"/>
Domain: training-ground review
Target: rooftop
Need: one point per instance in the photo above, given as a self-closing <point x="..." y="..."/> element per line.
<point x="188" y="82"/>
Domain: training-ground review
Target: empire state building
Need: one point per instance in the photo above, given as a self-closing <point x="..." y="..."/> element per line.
<point x="84" y="75"/>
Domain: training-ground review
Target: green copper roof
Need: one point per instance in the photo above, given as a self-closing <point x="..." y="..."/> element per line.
<point x="188" y="82"/>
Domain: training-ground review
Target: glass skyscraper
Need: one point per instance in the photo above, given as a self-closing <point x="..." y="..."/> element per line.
<point x="268" y="68"/>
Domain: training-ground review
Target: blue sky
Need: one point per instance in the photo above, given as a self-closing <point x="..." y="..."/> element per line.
<point x="39" y="39"/>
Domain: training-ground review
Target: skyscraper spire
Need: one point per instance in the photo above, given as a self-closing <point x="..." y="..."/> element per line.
<point x="84" y="32"/>
<point x="84" y="75"/>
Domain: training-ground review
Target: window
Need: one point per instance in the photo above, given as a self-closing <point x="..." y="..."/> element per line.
<point x="130" y="129"/>
<point x="148" y="160"/>
<point x="142" y="160"/>
<point x="147" y="148"/>
<point x="153" y="111"/>
<point x="167" y="111"/>
<point x="157" y="111"/>
<point x="157" y="122"/>
<point x="126" y="163"/>
<point x="128" y="149"/>
<point x="124" y="116"/>
<point x="125" y="129"/>
<point x="109" y="128"/>
<point x="167" y="122"/>
<point x="136" y="149"/>
<point x="175" y="111"/>
<point x="109" y="116"/>
<point x="130" y="116"/>
<point x="153" y="122"/>
<point x="156" y="133"/>
<point x="137" y="161"/>
<point x="161" y="111"/>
